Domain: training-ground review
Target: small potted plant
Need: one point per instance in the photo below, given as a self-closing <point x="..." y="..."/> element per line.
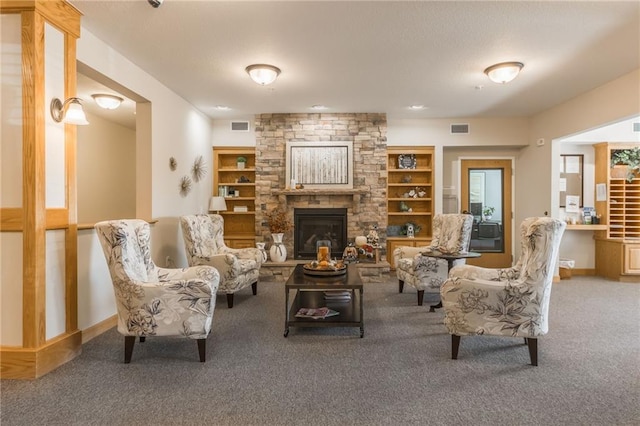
<point x="487" y="212"/>
<point x="241" y="162"/>
<point x="626" y="157"/>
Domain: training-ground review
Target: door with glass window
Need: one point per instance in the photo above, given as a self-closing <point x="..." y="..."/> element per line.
<point x="486" y="194"/>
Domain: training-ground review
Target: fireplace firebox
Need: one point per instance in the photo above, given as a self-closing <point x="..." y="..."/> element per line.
<point x="313" y="225"/>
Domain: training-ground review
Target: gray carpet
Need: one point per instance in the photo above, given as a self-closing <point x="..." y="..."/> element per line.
<point x="399" y="373"/>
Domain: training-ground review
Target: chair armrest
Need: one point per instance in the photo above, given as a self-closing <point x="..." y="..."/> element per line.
<point x="245" y="253"/>
<point x="202" y="272"/>
<point x="403" y="252"/>
<point x="476" y="272"/>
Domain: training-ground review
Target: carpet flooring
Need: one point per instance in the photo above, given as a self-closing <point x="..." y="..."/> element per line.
<point x="400" y="373"/>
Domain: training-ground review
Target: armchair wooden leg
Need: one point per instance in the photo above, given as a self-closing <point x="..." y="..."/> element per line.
<point x="525" y="341"/>
<point x="400" y="286"/>
<point x="202" y="349"/>
<point x="455" y="345"/>
<point x="129" y="341"/>
<point x="533" y="350"/>
<point x="420" y="297"/>
<point x="254" y="288"/>
<point x="230" y="300"/>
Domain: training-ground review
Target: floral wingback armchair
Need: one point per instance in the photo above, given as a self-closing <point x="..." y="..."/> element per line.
<point x="506" y="302"/>
<point x="451" y="234"/>
<point x="153" y="301"/>
<point x="204" y="242"/>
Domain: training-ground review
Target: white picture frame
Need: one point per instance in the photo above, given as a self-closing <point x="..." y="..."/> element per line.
<point x="320" y="165"/>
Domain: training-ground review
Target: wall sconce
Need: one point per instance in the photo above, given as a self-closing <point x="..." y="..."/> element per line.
<point x="503" y="72"/>
<point x="69" y="112"/>
<point x="107" y="101"/>
<point x="263" y="74"/>
<point x="217" y="204"/>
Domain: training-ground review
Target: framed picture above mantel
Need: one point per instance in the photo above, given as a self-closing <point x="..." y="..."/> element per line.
<point x="320" y="165"/>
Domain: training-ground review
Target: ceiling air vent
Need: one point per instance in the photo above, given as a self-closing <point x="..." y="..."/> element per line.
<point x="636" y="127"/>
<point x="459" y="128"/>
<point x="239" y="126"/>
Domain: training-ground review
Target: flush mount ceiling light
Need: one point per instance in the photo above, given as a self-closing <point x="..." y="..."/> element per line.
<point x="107" y="101"/>
<point x="263" y="74"/>
<point x="319" y="107"/>
<point x="69" y="111"/>
<point x="503" y="72"/>
<point x="416" y="107"/>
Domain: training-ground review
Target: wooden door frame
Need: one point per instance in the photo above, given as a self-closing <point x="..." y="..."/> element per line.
<point x="492" y="260"/>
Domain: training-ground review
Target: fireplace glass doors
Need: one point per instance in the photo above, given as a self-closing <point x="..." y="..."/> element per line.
<point x="313" y="225"/>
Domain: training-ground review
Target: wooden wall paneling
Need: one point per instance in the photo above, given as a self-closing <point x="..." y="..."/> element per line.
<point x="71" y="190"/>
<point x="11" y="219"/>
<point x="34" y="217"/>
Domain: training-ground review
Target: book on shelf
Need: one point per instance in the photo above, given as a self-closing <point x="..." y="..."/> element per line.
<point x="337" y="295"/>
<point x="240" y="208"/>
<point x="316" y="313"/>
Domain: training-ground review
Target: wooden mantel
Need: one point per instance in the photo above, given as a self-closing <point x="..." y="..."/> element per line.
<point x="283" y="195"/>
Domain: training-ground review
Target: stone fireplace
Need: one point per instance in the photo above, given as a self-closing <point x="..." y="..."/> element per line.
<point x="313" y="225"/>
<point x="365" y="204"/>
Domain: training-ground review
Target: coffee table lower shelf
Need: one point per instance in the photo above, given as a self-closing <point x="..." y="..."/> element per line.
<point x="350" y="311"/>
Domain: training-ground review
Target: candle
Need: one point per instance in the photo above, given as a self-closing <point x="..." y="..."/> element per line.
<point x="323" y="254"/>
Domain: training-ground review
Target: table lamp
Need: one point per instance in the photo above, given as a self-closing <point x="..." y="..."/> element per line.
<point x="217" y="204"/>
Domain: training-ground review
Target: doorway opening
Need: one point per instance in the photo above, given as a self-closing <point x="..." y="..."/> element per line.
<point x="486" y="194"/>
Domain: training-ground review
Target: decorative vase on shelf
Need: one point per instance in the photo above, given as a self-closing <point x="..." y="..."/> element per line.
<point x="263" y="252"/>
<point x="278" y="252"/>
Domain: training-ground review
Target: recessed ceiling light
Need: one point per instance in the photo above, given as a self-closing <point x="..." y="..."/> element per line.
<point x="319" y="107"/>
<point x="222" y="108"/>
<point x="107" y="101"/>
<point x="416" y="107"/>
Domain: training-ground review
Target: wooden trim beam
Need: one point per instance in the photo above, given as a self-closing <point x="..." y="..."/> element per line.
<point x="58" y="13"/>
<point x="30" y="363"/>
<point x="33" y="172"/>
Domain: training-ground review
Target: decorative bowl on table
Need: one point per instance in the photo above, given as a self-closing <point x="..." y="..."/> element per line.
<point x="324" y="268"/>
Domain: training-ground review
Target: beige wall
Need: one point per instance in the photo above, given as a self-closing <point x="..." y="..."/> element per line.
<point x="106" y="171"/>
<point x="166" y="126"/>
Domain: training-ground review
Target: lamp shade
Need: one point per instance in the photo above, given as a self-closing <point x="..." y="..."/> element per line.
<point x="263" y="74"/>
<point x="217" y="204"/>
<point x="69" y="111"/>
<point x="503" y="72"/>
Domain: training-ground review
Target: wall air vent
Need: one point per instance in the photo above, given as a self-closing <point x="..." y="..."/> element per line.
<point x="459" y="128"/>
<point x="239" y="126"/>
<point x="636" y="127"/>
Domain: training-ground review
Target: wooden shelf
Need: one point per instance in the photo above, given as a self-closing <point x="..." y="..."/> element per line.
<point x="618" y="246"/>
<point x="239" y="227"/>
<point x="421" y="207"/>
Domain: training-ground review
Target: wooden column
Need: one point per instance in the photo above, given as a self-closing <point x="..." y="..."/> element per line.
<point x="39" y="355"/>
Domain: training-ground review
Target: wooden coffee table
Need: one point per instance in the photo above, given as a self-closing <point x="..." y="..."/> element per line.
<point x="310" y="294"/>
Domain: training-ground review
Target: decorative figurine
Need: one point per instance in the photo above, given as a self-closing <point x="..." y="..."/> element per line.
<point x="410" y="231"/>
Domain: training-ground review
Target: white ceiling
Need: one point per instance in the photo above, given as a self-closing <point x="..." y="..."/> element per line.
<point x="373" y="56"/>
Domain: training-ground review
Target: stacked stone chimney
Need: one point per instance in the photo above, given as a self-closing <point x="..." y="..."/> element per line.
<point x="367" y="131"/>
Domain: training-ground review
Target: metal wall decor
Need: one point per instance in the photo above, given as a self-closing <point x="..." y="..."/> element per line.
<point x="185" y="185"/>
<point x="172" y="164"/>
<point x="198" y="170"/>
